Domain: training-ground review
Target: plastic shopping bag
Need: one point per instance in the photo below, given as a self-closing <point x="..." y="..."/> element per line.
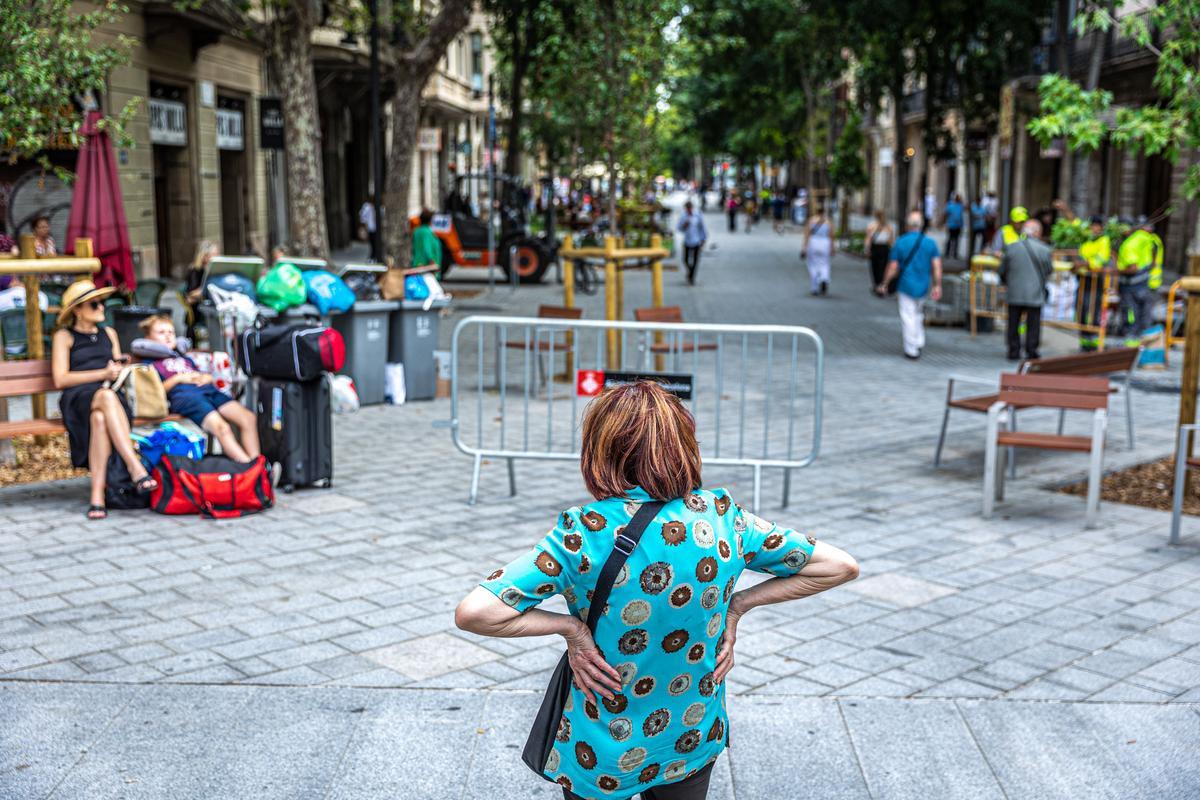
<point x="282" y="287"/>
<point x="342" y="394"/>
<point x="327" y="291"/>
<point x="169" y="438"/>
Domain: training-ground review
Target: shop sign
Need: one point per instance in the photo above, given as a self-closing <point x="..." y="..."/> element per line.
<point x="270" y="123"/>
<point x="230" y="129"/>
<point x="168" y="122"/>
<point x="1008" y="112"/>
<point x="429" y="139"/>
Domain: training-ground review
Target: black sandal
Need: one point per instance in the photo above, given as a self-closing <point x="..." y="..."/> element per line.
<point x="145" y="484"/>
<point x="97" y="513"/>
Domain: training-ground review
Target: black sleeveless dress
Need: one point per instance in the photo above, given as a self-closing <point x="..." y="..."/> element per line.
<point x="88" y="351"/>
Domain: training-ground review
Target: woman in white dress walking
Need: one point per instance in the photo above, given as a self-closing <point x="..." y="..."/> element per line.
<point x="818" y="250"/>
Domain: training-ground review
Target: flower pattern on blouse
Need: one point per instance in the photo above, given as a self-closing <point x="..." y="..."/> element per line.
<point x="660" y="631"/>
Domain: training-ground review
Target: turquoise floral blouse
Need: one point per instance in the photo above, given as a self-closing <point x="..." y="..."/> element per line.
<point x="660" y="631"/>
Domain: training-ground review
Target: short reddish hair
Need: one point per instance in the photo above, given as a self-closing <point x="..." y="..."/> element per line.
<point x="639" y="434"/>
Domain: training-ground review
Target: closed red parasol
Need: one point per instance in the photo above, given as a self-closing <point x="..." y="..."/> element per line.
<point x="97" y="210"/>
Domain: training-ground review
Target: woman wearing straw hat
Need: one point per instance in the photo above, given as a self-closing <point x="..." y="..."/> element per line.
<point x="84" y="357"/>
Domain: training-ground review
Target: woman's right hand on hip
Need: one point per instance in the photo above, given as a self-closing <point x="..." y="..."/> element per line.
<point x="592" y="673"/>
<point x="725" y="648"/>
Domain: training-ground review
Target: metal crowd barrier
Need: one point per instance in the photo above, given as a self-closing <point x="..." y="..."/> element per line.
<point x="508" y="399"/>
<point x="1080" y="300"/>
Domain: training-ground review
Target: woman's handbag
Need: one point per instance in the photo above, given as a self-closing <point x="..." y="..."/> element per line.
<point x="546" y="724"/>
<point x="144" y="391"/>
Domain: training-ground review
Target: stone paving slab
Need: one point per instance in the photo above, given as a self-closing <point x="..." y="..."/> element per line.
<point x="353" y="587"/>
<point x="231" y="742"/>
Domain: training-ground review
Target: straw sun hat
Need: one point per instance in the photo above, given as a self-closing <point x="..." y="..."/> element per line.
<point x="79" y="293"/>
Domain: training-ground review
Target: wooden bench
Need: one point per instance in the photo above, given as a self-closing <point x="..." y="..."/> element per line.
<point x="555" y="341"/>
<point x="1115" y="363"/>
<point x="672" y="315"/>
<point x="1018" y="391"/>
<point x="19" y="378"/>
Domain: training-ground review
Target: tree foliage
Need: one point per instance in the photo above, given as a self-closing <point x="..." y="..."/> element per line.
<point x="1167" y="127"/>
<point x="50" y="58"/>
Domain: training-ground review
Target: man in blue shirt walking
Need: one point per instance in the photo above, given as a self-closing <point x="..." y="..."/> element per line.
<point x="954" y="224"/>
<point x="691" y="225"/>
<point x="916" y="259"/>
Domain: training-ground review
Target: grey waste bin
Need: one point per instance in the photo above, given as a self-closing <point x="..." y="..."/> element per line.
<point x="413" y="338"/>
<point x="365" y="331"/>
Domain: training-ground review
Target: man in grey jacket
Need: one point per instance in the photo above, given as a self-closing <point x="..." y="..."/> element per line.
<point x="1025" y="266"/>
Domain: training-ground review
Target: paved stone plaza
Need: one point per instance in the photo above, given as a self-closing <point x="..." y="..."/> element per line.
<point x="310" y="651"/>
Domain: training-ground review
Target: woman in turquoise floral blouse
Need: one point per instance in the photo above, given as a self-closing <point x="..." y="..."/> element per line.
<point x="647" y="712"/>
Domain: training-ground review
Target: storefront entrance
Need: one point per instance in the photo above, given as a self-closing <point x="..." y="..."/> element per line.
<point x="231" y="143"/>
<point x="173" y="217"/>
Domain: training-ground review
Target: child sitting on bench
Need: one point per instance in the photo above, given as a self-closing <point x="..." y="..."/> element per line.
<point x="191" y="394"/>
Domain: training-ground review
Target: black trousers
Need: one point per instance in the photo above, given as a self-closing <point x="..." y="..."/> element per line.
<point x="733" y="221"/>
<point x="952" y="237"/>
<point x="1033" y="330"/>
<point x="691" y="260"/>
<point x="693" y="788"/>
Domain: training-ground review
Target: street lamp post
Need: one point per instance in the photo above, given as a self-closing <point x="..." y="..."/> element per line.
<point x="376" y="136"/>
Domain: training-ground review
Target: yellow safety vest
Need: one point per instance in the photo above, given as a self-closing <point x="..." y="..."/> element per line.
<point x="1142" y="251"/>
<point x="1097" y="252"/>
<point x="1010" y="234"/>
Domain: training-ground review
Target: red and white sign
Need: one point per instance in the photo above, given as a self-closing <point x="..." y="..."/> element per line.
<point x="589" y="382"/>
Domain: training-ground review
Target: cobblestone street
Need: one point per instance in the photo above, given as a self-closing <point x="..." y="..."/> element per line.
<point x="310" y="651"/>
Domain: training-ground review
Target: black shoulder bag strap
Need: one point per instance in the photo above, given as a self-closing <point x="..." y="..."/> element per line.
<point x="546" y="724"/>
<point x="908" y="258"/>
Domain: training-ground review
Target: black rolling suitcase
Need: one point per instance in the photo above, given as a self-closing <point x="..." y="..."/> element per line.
<point x="295" y="424"/>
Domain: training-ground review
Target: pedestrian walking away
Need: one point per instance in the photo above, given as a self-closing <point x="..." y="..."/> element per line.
<point x="646" y="710"/>
<point x="978" y="229"/>
<point x="879" y="239"/>
<point x="1140" y="263"/>
<point x="916" y="264"/>
<point x="731" y="208"/>
<point x="691" y="225"/>
<point x="1025" y="266"/>
<point x="818" y="252"/>
<point x="954" y="225"/>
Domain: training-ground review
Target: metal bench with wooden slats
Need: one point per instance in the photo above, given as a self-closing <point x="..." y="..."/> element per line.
<point x="553" y="343"/>
<point x="20" y="378"/>
<point x="670" y="315"/>
<point x="556" y="341"/>
<point x="1116" y="363"/>
<point x="1064" y="392"/>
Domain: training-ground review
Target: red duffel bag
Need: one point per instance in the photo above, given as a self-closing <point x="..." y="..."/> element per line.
<point x="215" y="487"/>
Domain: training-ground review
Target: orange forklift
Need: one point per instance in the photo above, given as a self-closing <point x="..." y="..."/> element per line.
<point x="462" y="228"/>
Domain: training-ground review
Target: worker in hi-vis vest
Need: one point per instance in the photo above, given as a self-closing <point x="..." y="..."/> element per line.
<point x="1096" y="254"/>
<point x="1012" y="231"/>
<point x="1139" y="262"/>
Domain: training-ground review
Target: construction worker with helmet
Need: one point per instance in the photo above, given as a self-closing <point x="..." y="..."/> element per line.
<point x="1012" y="231"/>
<point x="1096" y="255"/>
<point x="1139" y="262"/>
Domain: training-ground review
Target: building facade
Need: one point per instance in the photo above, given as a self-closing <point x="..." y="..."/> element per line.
<point x="196" y="171"/>
<point x="1002" y="157"/>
